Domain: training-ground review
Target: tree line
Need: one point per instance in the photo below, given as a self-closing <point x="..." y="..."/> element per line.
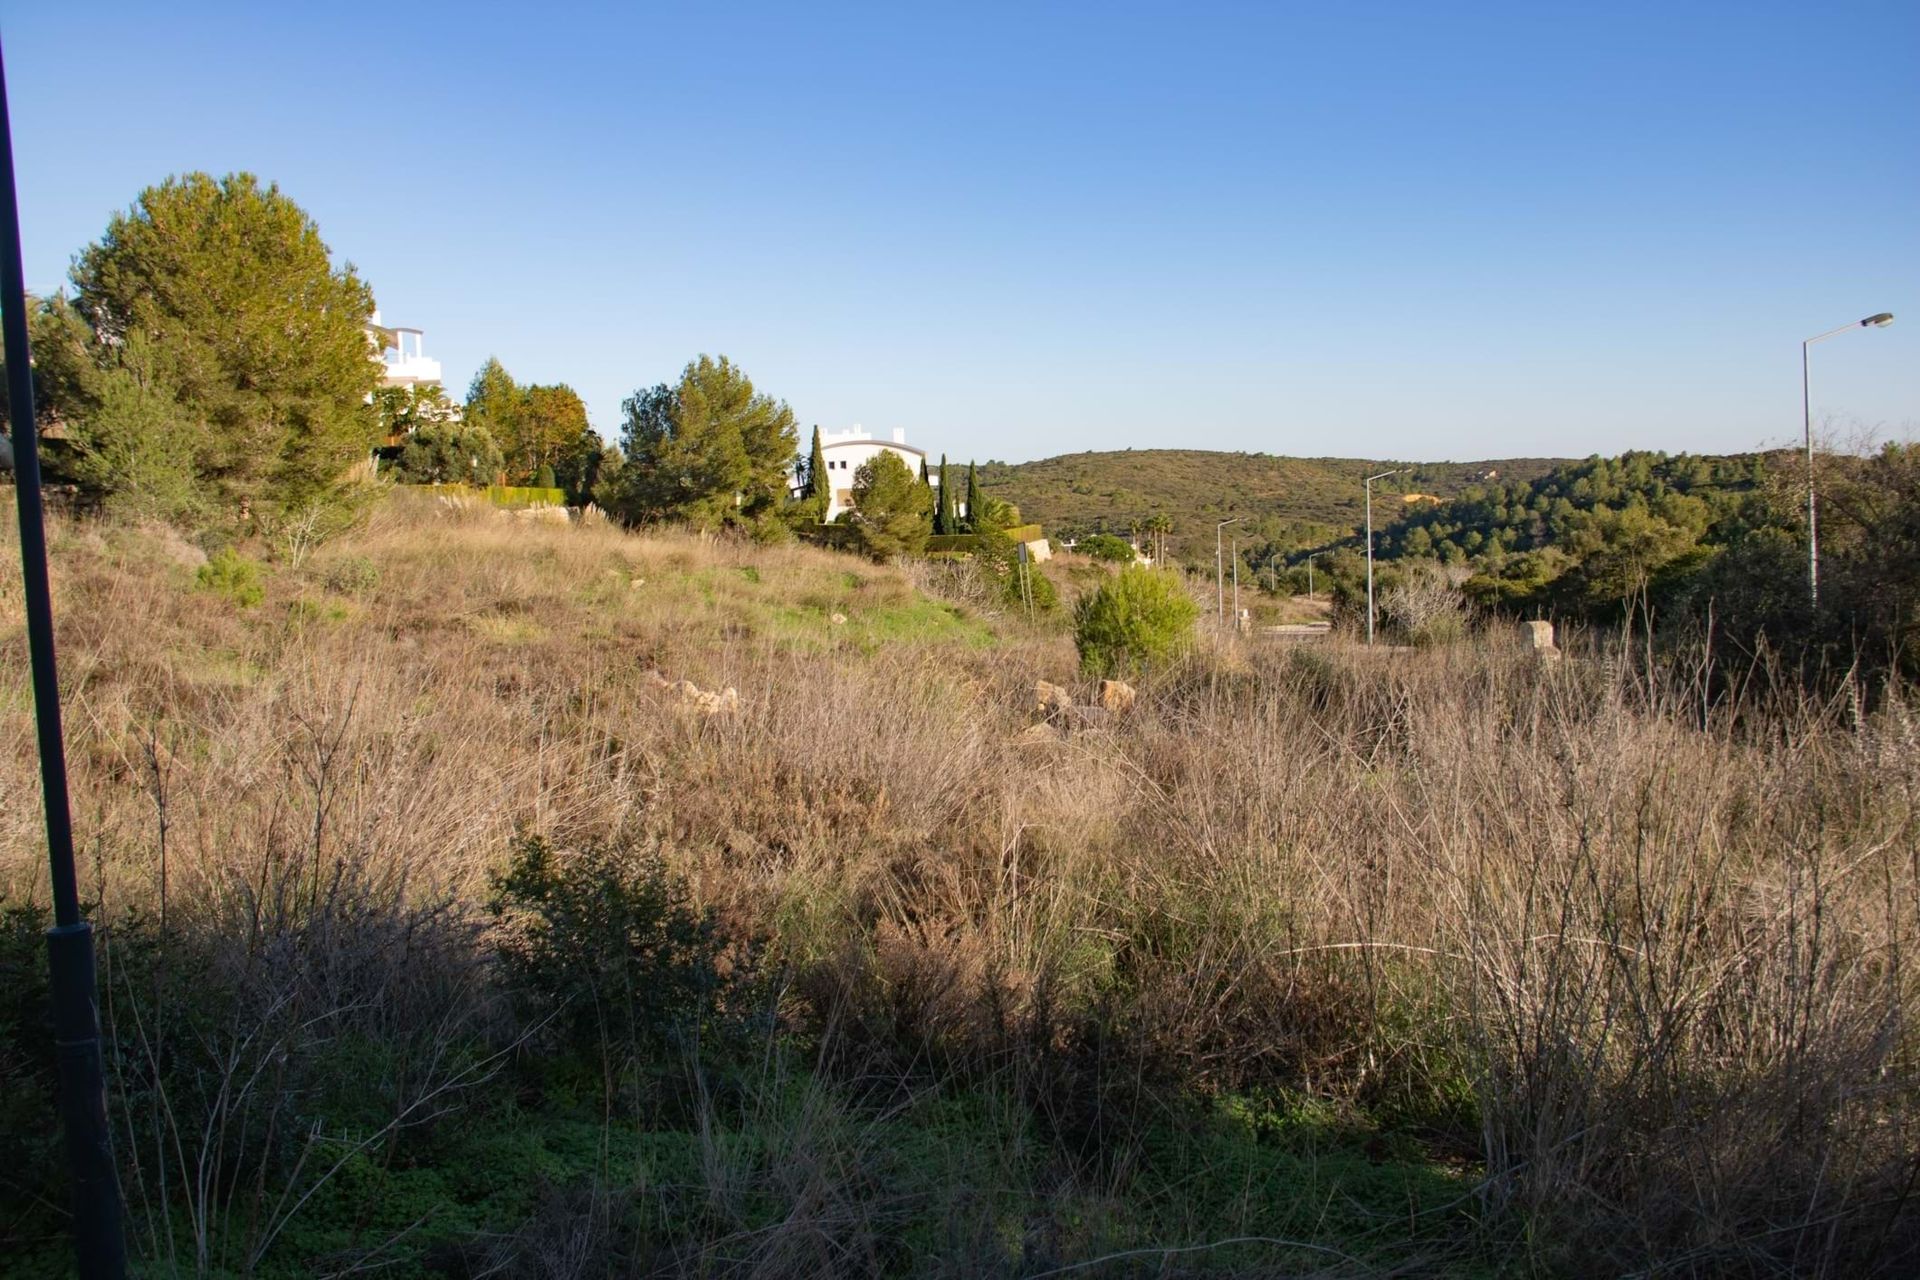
<point x="212" y="366"/>
<point x="1699" y="545"/>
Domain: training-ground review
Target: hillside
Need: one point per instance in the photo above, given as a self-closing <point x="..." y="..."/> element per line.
<point x="447" y="935"/>
<point x="1289" y="501"/>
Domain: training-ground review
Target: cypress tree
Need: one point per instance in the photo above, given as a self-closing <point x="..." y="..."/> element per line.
<point x="819" y="488"/>
<point x="943" y="520"/>
<point x="973" y="498"/>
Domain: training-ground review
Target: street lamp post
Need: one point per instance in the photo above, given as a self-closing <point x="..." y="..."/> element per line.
<point x="1219" y="572"/>
<point x="1236" y="582"/>
<point x="1370" y="479"/>
<point x="1880" y="321"/>
<point x="1310" y="556"/>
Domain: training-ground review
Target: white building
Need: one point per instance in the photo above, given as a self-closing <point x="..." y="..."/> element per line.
<point x="403" y="360"/>
<point x="846" y="451"/>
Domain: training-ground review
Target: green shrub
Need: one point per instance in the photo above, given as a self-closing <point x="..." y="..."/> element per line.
<point x="957" y="543"/>
<point x="234" y="576"/>
<point x="1104" y="546"/>
<point x="351" y="575"/>
<point x="1138" y="618"/>
<point x="1027" y="581"/>
<point x="608" y="945"/>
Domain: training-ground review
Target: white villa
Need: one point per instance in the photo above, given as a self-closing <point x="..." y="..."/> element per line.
<point x="403" y="359"/>
<point x="845" y="452"/>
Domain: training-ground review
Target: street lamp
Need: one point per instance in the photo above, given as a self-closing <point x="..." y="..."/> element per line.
<point x="1370" y="479"/>
<point x="1880" y="321"/>
<point x="1219" y="572"/>
<point x="1236" y="582"/>
<point x="1310" y="556"/>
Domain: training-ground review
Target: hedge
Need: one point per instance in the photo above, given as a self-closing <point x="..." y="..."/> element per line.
<point x="502" y="495"/>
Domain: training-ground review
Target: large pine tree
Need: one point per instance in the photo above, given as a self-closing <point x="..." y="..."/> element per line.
<point x="711" y="451"/>
<point x="223" y="291"/>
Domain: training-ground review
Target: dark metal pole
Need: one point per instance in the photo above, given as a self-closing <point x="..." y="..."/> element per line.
<point x="76" y="1020"/>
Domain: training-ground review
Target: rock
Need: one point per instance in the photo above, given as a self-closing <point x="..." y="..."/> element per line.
<point x="838" y="619"/>
<point x="1541" y="632"/>
<point x="1051" y="699"/>
<point x="1038" y="735"/>
<point x="652" y="678"/>
<point x="542" y="515"/>
<point x="691" y="697"/>
<point x="1116" y="696"/>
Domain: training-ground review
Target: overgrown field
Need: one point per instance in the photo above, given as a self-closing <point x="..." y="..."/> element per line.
<point x="441" y="938"/>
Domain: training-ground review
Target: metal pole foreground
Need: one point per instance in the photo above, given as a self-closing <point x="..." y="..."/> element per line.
<point x="76" y="1021"/>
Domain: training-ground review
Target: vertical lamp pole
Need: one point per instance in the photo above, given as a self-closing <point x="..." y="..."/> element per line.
<point x="1370" y="479"/>
<point x="101" y="1254"/>
<point x="1310" y="556"/>
<point x="1880" y="321"/>
<point x="1236" y="582"/>
<point x="1219" y="572"/>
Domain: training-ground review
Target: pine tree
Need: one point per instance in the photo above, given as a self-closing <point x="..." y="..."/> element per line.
<point x="973" y="498"/>
<point x="245" y="325"/>
<point x="889" y="507"/>
<point x="712" y="451"/>
<point x="943" y="519"/>
<point x="819" y="486"/>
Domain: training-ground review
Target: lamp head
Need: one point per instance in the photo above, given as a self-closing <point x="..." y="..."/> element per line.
<point x="1880" y="321"/>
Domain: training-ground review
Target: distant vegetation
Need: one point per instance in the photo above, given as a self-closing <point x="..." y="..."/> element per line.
<point x="1714" y="545"/>
<point x="1286" y="505"/>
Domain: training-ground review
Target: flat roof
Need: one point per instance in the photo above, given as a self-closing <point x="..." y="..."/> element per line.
<point x="884" y="444"/>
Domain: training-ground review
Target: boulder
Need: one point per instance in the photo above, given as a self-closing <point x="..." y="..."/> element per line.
<point x="1035" y="735"/>
<point x="691" y="697"/>
<point x="1541" y="633"/>
<point x="1116" y="696"/>
<point x="1052" y="699"/>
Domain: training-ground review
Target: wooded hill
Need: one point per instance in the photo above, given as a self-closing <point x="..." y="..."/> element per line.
<point x="1287" y="502"/>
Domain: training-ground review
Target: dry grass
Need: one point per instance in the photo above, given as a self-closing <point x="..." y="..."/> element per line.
<point x="1645" y="952"/>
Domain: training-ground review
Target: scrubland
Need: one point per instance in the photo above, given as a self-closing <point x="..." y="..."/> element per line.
<point x="440" y="939"/>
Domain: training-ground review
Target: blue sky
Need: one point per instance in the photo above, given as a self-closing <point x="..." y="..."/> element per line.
<point x="1386" y="230"/>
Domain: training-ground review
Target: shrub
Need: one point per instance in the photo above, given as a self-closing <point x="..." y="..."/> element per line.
<point x="1424" y="607"/>
<point x="234" y="576"/>
<point x="1104" y="546"/>
<point x="1027" y="581"/>
<point x="351" y="575"/>
<point x="608" y="944"/>
<point x="1139" y="618"/>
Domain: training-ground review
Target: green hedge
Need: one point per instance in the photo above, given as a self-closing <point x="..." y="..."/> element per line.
<point x="957" y="543"/>
<point x="1025" y="533"/>
<point x="503" y="495"/>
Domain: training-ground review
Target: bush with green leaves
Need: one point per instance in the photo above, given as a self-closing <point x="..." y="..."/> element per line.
<point x="606" y="943"/>
<point x="1137" y="619"/>
<point x="448" y="453"/>
<point x="1104" y="546"/>
<point x="232" y="575"/>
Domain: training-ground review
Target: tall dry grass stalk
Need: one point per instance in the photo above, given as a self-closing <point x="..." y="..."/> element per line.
<point x="1646" y="951"/>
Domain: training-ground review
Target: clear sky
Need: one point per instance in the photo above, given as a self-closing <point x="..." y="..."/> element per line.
<point x="1412" y="230"/>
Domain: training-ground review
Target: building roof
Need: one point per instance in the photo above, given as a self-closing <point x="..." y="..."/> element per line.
<point x="883" y="444"/>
